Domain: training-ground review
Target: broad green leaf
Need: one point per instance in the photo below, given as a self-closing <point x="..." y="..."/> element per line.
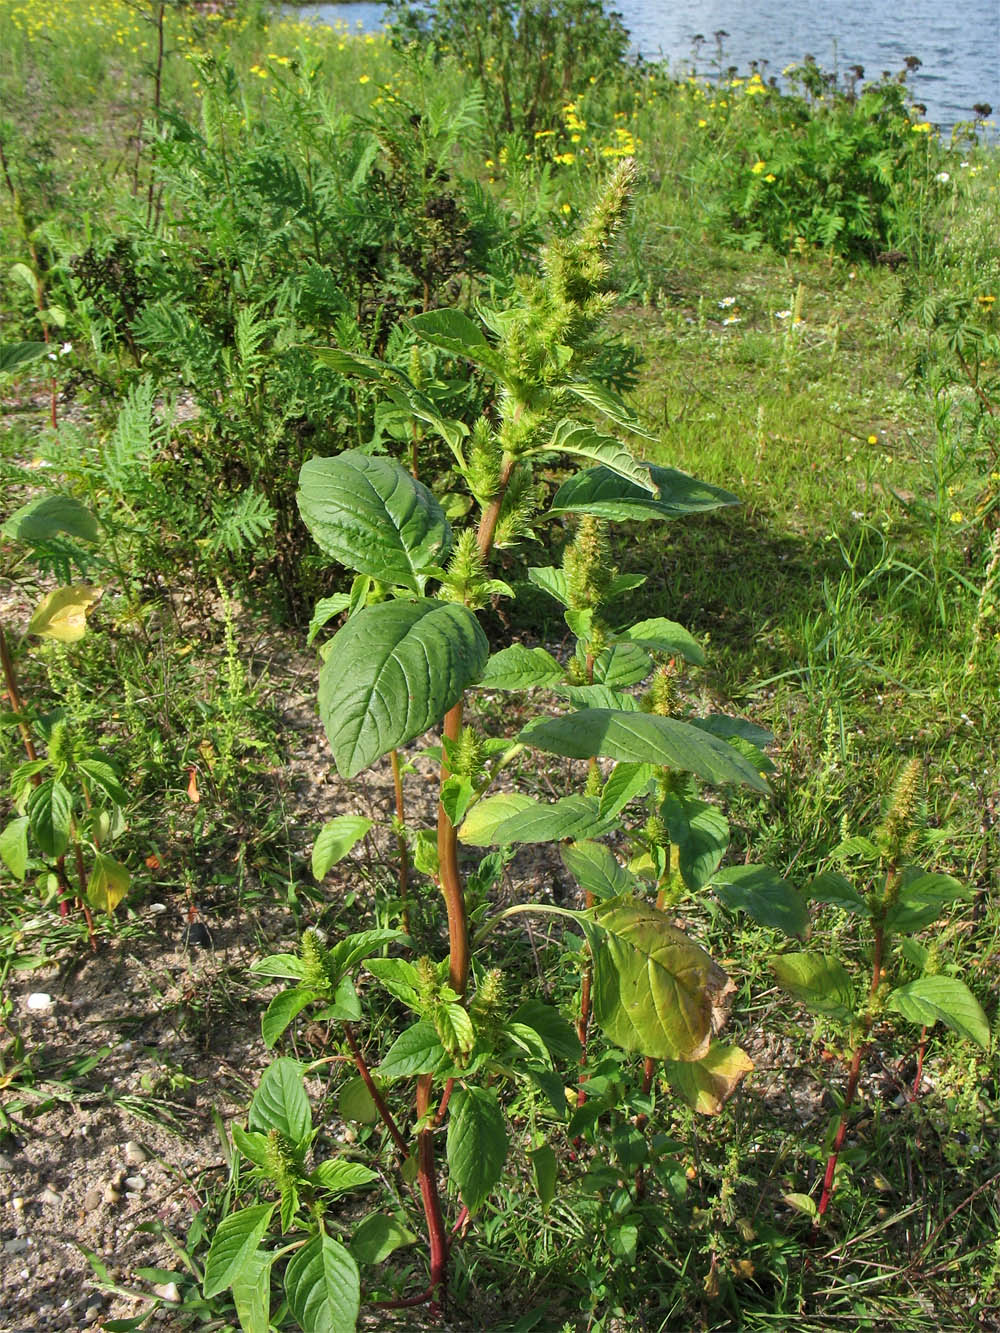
<point x="47" y="516"/>
<point x="399" y="977"/>
<point x="552" y="581"/>
<point x="764" y="895"/>
<point x="570" y="437"/>
<point x="922" y="898"/>
<point x="664" y="636"/>
<point x="733" y="728"/>
<point x="14" y="846"/>
<point x="596" y="868"/>
<point x="373" y="517"/>
<point x="456" y="796"/>
<point x="598" y="696"/>
<point x="394" y="671"/>
<point x="233" y="1251"/>
<point x="929" y="999"/>
<point x="818" y="980"/>
<point x="15" y="355"/>
<point x="418" y="1050"/>
<point x="654" y="989"/>
<point x="476" y="1143"/>
<point x="324" y="611"/>
<point x="536" y="821"/>
<point x="362" y="944"/>
<point x="285" y="1006"/>
<point x="707" y="1084"/>
<point x="520" y="668"/>
<point x="284" y="965"/>
<point x="624" y="784"/>
<point x="378" y="1236"/>
<point x="356" y="1103"/>
<point x="700" y="832"/>
<point x="487" y="815"/>
<point x="544" y="1174"/>
<point x="62" y="613"/>
<point x="252" y="1293"/>
<point x="50" y="813"/>
<point x="346" y="1006"/>
<point x="558" y="1034"/>
<point x="528" y="1041"/>
<point x="280" y="1102"/>
<point x="455" y="332"/>
<point x="833" y="888"/>
<point x="622" y="664"/>
<point x="105" y="779"/>
<point x="323" y="1287"/>
<point x="641" y="738"/>
<point x="454" y="1027"/>
<point x="108" y="884"/>
<point x="802" y="1203"/>
<point x="605" y="494"/>
<point x="609" y="403"/>
<point x="253" y="1146"/>
<point x="340" y="1176"/>
<point x="334" y="840"/>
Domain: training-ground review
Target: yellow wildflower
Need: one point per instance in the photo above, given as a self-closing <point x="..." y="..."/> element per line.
<point x="758" y="167"/>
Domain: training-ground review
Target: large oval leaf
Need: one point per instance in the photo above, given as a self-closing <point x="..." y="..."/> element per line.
<point x="393" y="671"/>
<point x="323" y="1287"/>
<point x="929" y="999"/>
<point x="655" y="991"/>
<point x="232" y="1255"/>
<point x="373" y="517"/>
<point x="47" y="516"/>
<point x="570" y="437"/>
<point x="641" y="738"/>
<point x="606" y="494"/>
<point x="280" y="1103"/>
<point x="708" y="1083"/>
<point x="502" y="820"/>
<point x="50" y="814"/>
<point x="477" y="1143"/>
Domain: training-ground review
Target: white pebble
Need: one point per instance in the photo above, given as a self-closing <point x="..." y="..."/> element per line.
<point x="39" y="1001"/>
<point x="135" y="1183"/>
<point x="167" y="1291"/>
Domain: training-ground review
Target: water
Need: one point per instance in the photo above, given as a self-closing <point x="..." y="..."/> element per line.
<point x="959" y="43"/>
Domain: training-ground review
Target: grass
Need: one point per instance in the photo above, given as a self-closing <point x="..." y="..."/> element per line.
<point x="839" y="607"/>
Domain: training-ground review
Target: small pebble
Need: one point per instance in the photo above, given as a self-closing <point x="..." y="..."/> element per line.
<point x="111" y="1195"/>
<point x="135" y="1153"/>
<point x="17" y="1203"/>
<point x="135" y="1183"/>
<point x="39" y="1001"/>
<point x="92" y="1200"/>
<point x="92" y="1313"/>
<point x="167" y="1291"/>
<point x="157" y="908"/>
<point x="6" y="1163"/>
<point x="16" y="1246"/>
<point x="50" y="1196"/>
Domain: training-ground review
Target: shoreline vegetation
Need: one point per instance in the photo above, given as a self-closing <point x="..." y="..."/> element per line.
<point x="500" y="650"/>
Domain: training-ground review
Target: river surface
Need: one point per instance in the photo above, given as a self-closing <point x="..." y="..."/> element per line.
<point x="958" y="42"/>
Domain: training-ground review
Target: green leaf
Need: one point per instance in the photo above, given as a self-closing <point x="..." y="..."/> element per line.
<point x="596" y="869"/>
<point x="609" y="403"/>
<point x="285" y="1006"/>
<point x="399" y="977"/>
<point x="14" y="846"/>
<point x="454" y="1027"/>
<point x="818" y="980"/>
<point x="356" y="1103"/>
<point x="394" y="671"/>
<point x="544" y="1174"/>
<point x="323" y="1287"/>
<point x="664" y="636"/>
<point x="622" y="664"/>
<point x="556" y="1032"/>
<point x="233" y="1251"/>
<point x="15" y="355"/>
<point x="324" y="611"/>
<point x="362" y="944"/>
<point x="922" y="898"/>
<point x="105" y="779"/>
<point x="346" y="1006"/>
<point x="552" y="581"/>
<point x="700" y="832"/>
<point x="283" y="965"/>
<point x="418" y="1050"/>
<point x="833" y="888"/>
<point x="455" y="332"/>
<point x="47" y="516"/>
<point x="605" y="494"/>
<point x="50" y="812"/>
<point x="253" y="1146"/>
<point x="707" y="1084"/>
<point x="528" y="821"/>
<point x="598" y="696"/>
<point x="764" y="895"/>
<point x="929" y="999"/>
<point x="570" y="437"/>
<point x="641" y="738"/>
<point x="340" y="1177"/>
<point x="373" y="517"/>
<point x="378" y="1236"/>
<point x="654" y="989"/>
<point x="733" y="728"/>
<point x="252" y="1293"/>
<point x="802" y="1203"/>
<point x="334" y="840"/>
<point x="456" y="796"/>
<point x="476" y="1143"/>
<point x="624" y="784"/>
<point x="280" y="1102"/>
<point x="520" y="668"/>
<point x="108" y="884"/>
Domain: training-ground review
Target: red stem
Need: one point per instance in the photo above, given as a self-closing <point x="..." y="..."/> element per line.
<point x="427" y="1178"/>
<point x="377" y="1098"/>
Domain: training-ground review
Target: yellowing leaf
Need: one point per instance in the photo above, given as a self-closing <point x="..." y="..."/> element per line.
<point x="708" y="1083"/>
<point x="108" y="884"/>
<point x="62" y="614"/>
